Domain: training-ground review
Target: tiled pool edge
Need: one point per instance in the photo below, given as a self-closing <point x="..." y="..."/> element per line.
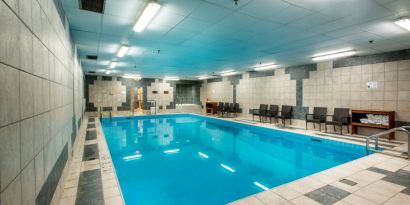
<point x="364" y="192"/>
<point x="111" y="191"/>
<point x="295" y="192"/>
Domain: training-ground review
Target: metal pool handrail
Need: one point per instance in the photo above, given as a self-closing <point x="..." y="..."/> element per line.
<point x="375" y="137"/>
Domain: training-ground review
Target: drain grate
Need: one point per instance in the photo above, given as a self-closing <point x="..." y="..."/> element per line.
<point x="348" y="182"/>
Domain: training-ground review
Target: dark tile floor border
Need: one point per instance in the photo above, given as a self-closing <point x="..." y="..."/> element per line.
<point x="91" y="135"/>
<point x="90" y="189"/>
<point x="90" y="152"/>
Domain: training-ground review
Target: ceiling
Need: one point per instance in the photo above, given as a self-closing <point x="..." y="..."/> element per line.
<point x="196" y="37"/>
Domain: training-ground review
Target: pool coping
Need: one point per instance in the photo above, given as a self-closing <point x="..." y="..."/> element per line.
<point x="292" y="192"/>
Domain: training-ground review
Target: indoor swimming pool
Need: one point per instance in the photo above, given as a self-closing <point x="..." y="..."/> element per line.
<point x="192" y="159"/>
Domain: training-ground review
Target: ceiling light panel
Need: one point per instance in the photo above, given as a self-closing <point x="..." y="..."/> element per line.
<point x="123" y="50"/>
<point x="404" y="23"/>
<point x="149" y="12"/>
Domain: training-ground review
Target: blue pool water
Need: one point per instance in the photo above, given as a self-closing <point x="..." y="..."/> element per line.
<point x="189" y="159"/>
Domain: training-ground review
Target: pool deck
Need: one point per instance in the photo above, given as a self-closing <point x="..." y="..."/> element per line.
<point x="374" y="179"/>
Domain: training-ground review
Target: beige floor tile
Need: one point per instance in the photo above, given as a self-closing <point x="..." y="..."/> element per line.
<point x="385" y="188"/>
<point x="109" y="183"/>
<point x="399" y="199"/>
<point x="117" y="200"/>
<point x="357" y="200"/>
<point x="300" y="187"/>
<point x="269" y="197"/>
<point x="67" y="201"/>
<point x="112" y="191"/>
<point x="70" y="192"/>
<point x="303" y="200"/>
<point x="312" y="182"/>
<point x="366" y="176"/>
<point x="286" y="192"/>
<point x="249" y="201"/>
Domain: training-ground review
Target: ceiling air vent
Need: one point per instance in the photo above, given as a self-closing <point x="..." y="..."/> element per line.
<point x="92" y="5"/>
<point x="92" y="72"/>
<point x="92" y="57"/>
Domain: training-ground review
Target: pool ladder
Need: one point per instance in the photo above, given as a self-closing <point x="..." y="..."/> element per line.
<point x="375" y="137"/>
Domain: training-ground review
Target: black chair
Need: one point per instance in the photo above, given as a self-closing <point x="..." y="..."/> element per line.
<point x="263" y="109"/>
<point x="225" y="109"/>
<point x="234" y="109"/>
<point x="272" y="113"/>
<point x="340" y="117"/>
<point x="286" y="113"/>
<point x="220" y="108"/>
<point x="318" y="116"/>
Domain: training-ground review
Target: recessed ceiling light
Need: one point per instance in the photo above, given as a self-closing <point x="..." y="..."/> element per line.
<point x="404" y="23"/>
<point x="229" y="73"/>
<point x="171" y="78"/>
<point x="267" y="66"/>
<point x="146" y="16"/>
<point x="129" y="76"/>
<point x="333" y="55"/>
<point x="123" y="50"/>
<point x="113" y="64"/>
<point x="202" y="77"/>
<point x="226" y="71"/>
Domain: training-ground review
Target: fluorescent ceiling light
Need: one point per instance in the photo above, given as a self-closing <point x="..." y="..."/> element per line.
<point x="227" y="168"/>
<point x="229" y="73"/>
<point x="137" y="156"/>
<point x="333" y="55"/>
<point x="203" y="155"/>
<point x="123" y="50"/>
<point x="171" y="151"/>
<point x="261" y="186"/>
<point x="171" y="78"/>
<point x="113" y="64"/>
<point x="107" y="72"/>
<point x="265" y="66"/>
<point x="226" y="71"/>
<point x="146" y="16"/>
<point x="404" y="23"/>
<point x="132" y="76"/>
<point x="202" y="77"/>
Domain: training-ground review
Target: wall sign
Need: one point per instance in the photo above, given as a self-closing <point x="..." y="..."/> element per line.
<point x="371" y="85"/>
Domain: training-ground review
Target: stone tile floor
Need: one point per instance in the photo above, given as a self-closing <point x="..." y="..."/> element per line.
<point x="91" y="178"/>
<point x="374" y="179"/>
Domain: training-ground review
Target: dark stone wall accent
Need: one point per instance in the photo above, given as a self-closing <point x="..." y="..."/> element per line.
<point x="258" y="74"/>
<point x="214" y="80"/>
<point x="372" y="59"/>
<point x="47" y="191"/>
<point x="89" y="80"/>
<point x="195" y="83"/>
<point x="106" y="108"/>
<point x="74" y="132"/>
<point x="144" y="83"/>
<point x="106" y="78"/>
<point x="187" y="94"/>
<point x="299" y="73"/>
<point x="234" y="80"/>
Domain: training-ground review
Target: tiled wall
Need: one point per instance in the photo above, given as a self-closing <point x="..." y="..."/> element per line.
<point x="160" y="87"/>
<point x="107" y="93"/>
<point x="340" y="83"/>
<point x="114" y="92"/>
<point x="347" y="87"/>
<point x="41" y="100"/>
